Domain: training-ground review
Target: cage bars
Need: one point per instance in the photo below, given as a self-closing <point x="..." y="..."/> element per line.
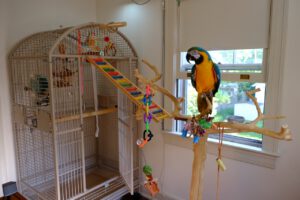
<point x="53" y="161"/>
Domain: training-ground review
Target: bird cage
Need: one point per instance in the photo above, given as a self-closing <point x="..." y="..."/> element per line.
<point x="74" y="130"/>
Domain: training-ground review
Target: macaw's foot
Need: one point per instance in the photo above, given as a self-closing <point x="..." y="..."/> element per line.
<point x="204" y="102"/>
<point x="203" y="95"/>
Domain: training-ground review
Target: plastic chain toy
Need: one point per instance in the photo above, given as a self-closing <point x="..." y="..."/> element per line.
<point x="147" y="135"/>
<point x="150" y="183"/>
<point x="197" y="129"/>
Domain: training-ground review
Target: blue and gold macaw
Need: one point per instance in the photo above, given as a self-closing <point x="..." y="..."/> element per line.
<point x="206" y="77"/>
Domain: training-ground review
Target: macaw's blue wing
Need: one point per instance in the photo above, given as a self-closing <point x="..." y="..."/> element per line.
<point x="217" y="74"/>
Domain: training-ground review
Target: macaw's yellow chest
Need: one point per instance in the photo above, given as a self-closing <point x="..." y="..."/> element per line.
<point x="205" y="77"/>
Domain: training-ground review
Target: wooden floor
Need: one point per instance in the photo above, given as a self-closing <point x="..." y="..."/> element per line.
<point x="16" y="196"/>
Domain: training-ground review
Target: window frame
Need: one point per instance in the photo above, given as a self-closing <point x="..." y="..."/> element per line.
<point x="273" y="58"/>
<point x="234" y="77"/>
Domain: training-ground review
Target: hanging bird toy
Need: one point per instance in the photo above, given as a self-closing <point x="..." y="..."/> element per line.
<point x="110" y="47"/>
<point x="150" y="183"/>
<point x="147" y="135"/>
<point x="196" y="128"/>
<point x="93" y="42"/>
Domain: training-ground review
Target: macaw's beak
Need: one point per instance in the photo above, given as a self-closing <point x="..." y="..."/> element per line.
<point x="194" y="56"/>
<point x="188" y="57"/>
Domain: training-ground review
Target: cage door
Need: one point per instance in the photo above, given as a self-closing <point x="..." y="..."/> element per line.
<point x="125" y="129"/>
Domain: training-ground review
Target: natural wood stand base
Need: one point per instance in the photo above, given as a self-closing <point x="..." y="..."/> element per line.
<point x="198" y="168"/>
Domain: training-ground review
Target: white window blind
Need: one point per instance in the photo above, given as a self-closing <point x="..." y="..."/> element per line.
<point x="224" y="24"/>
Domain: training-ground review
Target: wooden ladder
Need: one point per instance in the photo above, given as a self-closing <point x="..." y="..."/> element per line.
<point x="134" y="93"/>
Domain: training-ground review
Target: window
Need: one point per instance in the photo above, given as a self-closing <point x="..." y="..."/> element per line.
<point x="231" y="99"/>
<point x="253" y="33"/>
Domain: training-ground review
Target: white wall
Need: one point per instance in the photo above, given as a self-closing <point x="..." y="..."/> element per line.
<point x="31" y="16"/>
<point x="18" y="19"/>
<point x="144" y="28"/>
<point x="241" y="181"/>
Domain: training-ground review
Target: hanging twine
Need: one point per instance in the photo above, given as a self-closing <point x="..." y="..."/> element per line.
<point x="221" y="136"/>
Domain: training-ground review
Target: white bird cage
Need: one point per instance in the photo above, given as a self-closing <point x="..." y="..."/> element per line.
<point x="59" y="103"/>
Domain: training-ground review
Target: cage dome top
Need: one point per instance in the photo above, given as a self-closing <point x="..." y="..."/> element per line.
<point x="86" y="39"/>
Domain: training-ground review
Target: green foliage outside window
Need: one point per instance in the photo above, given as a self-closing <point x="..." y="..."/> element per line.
<point x="228" y="95"/>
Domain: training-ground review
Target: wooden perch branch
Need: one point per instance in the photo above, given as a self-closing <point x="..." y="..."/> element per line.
<point x="155" y="70"/>
<point x="283" y="134"/>
<point x="260" y="115"/>
<point x="151" y="82"/>
<point x="230" y="127"/>
<point x="113" y="26"/>
<point x="235" y="127"/>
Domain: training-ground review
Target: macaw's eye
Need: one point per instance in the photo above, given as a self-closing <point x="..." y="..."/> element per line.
<point x="195" y="54"/>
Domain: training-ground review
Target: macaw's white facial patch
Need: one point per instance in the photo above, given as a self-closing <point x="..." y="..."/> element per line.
<point x="195" y="54"/>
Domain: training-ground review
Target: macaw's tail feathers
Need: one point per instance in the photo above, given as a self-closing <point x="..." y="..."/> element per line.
<point x="204" y="103"/>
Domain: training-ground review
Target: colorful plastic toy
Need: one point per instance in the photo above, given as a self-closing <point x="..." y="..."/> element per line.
<point x="197" y="129"/>
<point x="147" y="135"/>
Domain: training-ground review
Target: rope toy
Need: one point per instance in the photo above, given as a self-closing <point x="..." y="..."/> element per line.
<point x="147" y="134"/>
<point x="219" y="161"/>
